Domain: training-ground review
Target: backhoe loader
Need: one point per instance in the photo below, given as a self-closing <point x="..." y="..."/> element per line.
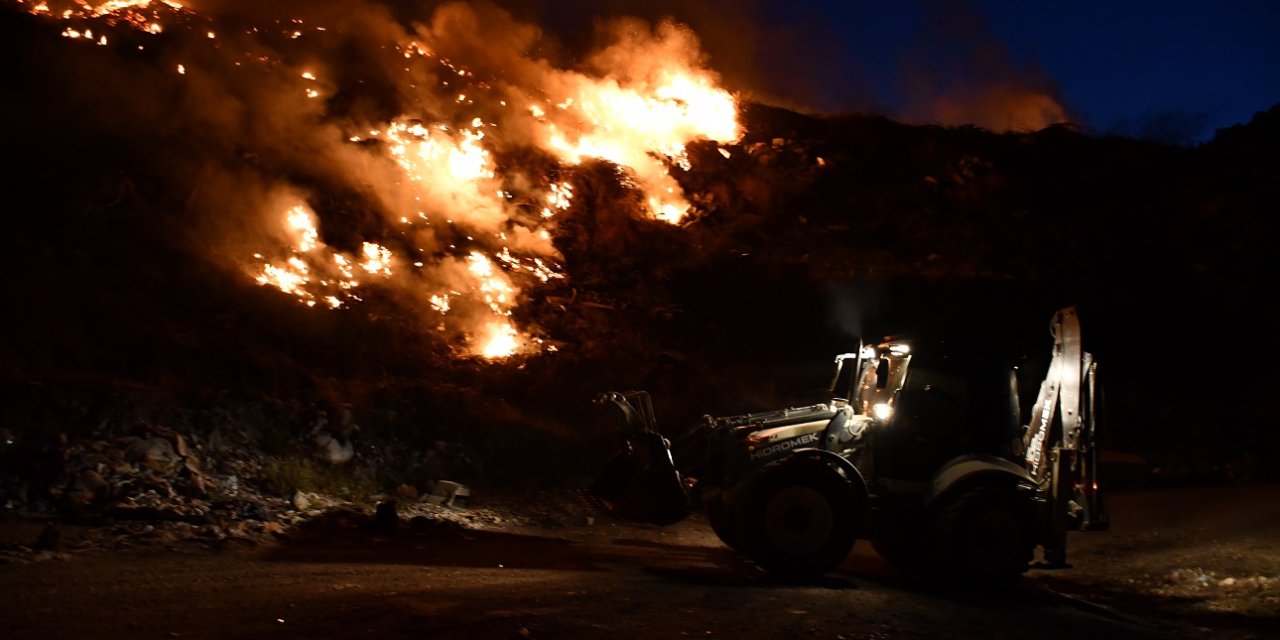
<point x="921" y="448"/>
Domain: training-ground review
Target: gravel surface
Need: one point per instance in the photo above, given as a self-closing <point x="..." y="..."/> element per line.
<point x="1177" y="563"/>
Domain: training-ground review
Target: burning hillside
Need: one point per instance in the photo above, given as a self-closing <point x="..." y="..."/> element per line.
<point x="456" y="137"/>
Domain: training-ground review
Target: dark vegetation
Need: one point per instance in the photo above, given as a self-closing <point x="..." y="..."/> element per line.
<point x="813" y="233"/>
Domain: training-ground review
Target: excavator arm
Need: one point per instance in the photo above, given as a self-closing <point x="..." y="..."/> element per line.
<point x="1061" y="441"/>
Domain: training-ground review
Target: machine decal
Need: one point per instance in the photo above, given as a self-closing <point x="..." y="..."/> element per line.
<point x="785" y="445"/>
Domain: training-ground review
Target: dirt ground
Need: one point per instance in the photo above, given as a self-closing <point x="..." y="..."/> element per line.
<point x="1177" y="563"/>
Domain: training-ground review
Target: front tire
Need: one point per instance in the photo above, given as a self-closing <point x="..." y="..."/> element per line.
<point x="799" y="519"/>
<point x="723" y="520"/>
<point x="979" y="538"/>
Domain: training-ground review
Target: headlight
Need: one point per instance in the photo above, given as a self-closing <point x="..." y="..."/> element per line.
<point x="882" y="411"/>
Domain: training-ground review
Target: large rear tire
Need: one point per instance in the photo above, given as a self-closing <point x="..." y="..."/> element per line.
<point x="979" y="538"/>
<point x="799" y="519"/>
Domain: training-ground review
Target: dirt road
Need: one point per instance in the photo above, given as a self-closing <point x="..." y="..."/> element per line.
<point x="609" y="580"/>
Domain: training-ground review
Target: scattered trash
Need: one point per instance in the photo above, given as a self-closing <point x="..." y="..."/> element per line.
<point x="333" y="450"/>
<point x="449" y="494"/>
<point x="407" y="491"/>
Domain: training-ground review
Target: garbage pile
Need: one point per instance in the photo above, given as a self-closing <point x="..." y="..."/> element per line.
<point x="146" y="484"/>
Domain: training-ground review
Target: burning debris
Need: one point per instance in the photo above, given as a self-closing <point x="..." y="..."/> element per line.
<point x="461" y="137"/>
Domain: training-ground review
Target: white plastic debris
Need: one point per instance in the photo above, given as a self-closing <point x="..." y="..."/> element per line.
<point x="450" y="493"/>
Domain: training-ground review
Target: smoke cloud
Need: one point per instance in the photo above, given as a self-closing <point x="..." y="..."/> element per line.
<point x="952" y="69"/>
<point x="959" y="73"/>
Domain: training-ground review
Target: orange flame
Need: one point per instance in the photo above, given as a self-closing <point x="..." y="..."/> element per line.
<point x="502" y="341"/>
<point x="643" y="128"/>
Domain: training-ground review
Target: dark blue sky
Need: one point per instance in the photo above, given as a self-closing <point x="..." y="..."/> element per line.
<point x="1175" y="69"/>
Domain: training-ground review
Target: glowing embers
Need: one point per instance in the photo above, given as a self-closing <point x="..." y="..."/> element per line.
<point x="495" y="338"/>
<point x="377" y="259"/>
<point x="302" y="223"/>
<point x="499" y="340"/>
<point x="495" y="288"/>
<point x="312" y="273"/>
<point x="481" y="305"/>
<point x="121" y="6"/>
<point x="87" y="34"/>
<point x="534" y="266"/>
<point x="428" y="154"/>
<point x="143" y="15"/>
<point x="480" y="309"/>
<point x="559" y="199"/>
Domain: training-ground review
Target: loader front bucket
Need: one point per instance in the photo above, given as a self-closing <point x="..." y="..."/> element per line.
<point x="640" y="481"/>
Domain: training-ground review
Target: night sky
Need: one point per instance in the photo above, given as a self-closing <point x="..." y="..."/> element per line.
<point x="1172" y="70"/>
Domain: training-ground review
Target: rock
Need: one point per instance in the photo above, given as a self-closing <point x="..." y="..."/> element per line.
<point x="194" y="476"/>
<point x="181" y="446"/>
<point x="89" y="487"/>
<point x="346" y="421"/>
<point x="216" y="443"/>
<point x="407" y="491"/>
<point x="157" y="513"/>
<point x="321" y="423"/>
<point x="333" y="450"/>
<point x="82" y="493"/>
<point x="156" y="453"/>
<point x="300" y="501"/>
<point x="255" y="511"/>
<point x="385" y="517"/>
<point x="231" y="486"/>
<point x="50" y="539"/>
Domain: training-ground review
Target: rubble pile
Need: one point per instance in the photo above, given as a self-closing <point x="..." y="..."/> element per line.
<point x="1219" y="590"/>
<point x="134" y="483"/>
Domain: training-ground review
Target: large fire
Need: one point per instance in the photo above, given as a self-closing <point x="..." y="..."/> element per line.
<point x="465" y="234"/>
<point x="644" y="128"/>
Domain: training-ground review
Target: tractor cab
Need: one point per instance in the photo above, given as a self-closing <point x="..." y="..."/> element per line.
<point x="931" y="401"/>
